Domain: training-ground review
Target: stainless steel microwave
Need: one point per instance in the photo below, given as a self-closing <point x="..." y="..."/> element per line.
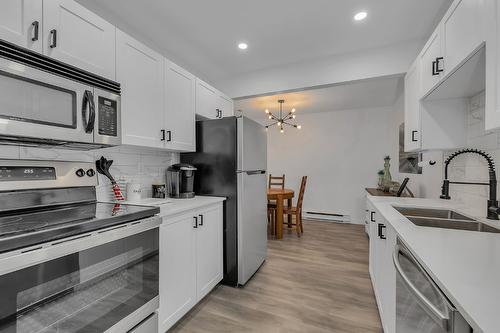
<point x="46" y="102"/>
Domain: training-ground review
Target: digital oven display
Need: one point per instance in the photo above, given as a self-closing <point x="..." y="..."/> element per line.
<point x="19" y="173"/>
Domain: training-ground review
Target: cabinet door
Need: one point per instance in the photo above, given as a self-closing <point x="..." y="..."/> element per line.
<point x="412" y="108"/>
<point x="18" y="21"/>
<point x="177" y="269"/>
<point x="387" y="279"/>
<point x="462" y="32"/>
<point x="429" y="76"/>
<point x="180" y="88"/>
<point x="372" y="221"/>
<point x="209" y="271"/>
<point x="492" y="93"/>
<point x="140" y="72"/>
<point x="75" y="35"/>
<point x="206" y="100"/>
<point x="225" y="105"/>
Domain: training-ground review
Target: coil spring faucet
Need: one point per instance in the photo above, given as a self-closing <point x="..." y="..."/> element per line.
<point x="492" y="206"/>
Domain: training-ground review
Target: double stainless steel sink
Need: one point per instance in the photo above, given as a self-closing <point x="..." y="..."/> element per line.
<point x="443" y="218"/>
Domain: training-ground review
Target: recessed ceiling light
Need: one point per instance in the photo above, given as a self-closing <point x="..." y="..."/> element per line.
<point x="360" y="16"/>
<point x="242" y="46"/>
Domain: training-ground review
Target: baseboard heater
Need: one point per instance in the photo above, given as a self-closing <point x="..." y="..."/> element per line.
<point x="333" y="217"/>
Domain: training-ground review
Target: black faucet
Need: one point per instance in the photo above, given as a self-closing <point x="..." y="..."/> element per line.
<point x="492" y="207"/>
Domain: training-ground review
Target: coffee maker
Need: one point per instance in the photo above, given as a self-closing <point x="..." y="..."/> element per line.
<point x="180" y="181"/>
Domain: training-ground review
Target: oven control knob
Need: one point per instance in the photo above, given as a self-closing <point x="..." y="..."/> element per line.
<point x="90" y="172"/>
<point x="80" y="172"/>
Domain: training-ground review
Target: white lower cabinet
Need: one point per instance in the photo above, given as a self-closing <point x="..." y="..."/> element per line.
<point x="208" y="250"/>
<point x="382" y="272"/>
<point x="191" y="261"/>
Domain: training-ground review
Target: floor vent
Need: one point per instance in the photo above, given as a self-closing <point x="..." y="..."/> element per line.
<point x="330" y="217"/>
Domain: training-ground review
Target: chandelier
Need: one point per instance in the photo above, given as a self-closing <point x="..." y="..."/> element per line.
<point x="282" y="120"/>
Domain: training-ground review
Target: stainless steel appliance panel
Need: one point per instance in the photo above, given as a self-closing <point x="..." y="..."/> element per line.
<point x="35" y="104"/>
<point x="421" y="307"/>
<point x="107" y="130"/>
<point x="90" y="288"/>
<point x="252" y="223"/>
<point x="252" y="145"/>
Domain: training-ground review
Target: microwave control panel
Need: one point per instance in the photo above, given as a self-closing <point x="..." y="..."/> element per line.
<point x="108" y="116"/>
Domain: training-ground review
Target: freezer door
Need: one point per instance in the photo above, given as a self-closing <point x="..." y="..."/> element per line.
<point x="252" y="223"/>
<point x="252" y="145"/>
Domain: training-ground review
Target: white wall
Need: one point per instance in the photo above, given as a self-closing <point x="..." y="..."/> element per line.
<point x="130" y="164"/>
<point x="340" y="152"/>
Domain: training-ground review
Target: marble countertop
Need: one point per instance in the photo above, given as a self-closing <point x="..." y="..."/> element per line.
<point x="465" y="264"/>
<point x="169" y="206"/>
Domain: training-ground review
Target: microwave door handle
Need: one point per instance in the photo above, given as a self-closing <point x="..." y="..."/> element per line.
<point x="441" y="319"/>
<point x="88" y="99"/>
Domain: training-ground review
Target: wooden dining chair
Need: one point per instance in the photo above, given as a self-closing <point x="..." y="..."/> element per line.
<point x="296" y="211"/>
<point x="274" y="182"/>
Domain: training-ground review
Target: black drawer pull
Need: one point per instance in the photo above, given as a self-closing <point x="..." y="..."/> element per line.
<point x="380" y="234"/>
<point x="413" y="139"/>
<point x="195" y="222"/>
<point x="372" y="216"/>
<point x="36" y="26"/>
<point x="53" y="34"/>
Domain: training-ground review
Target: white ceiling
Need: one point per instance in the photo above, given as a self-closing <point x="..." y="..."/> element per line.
<point x="203" y="35"/>
<point x="380" y="92"/>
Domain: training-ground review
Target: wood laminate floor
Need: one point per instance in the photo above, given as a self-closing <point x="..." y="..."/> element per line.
<point x="318" y="283"/>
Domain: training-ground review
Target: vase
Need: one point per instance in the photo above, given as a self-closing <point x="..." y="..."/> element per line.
<point x="387" y="178"/>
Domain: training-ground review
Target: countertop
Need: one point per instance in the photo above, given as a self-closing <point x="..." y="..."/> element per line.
<point x="169" y="206"/>
<point x="465" y="264"/>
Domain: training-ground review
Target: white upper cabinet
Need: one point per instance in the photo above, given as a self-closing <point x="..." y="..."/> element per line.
<point x="180" y="87"/>
<point x="21" y="23"/>
<point x="140" y="72"/>
<point x="75" y="35"/>
<point x="462" y="30"/>
<point x="206" y="100"/>
<point x="412" y="108"/>
<point x="209" y="269"/>
<point x="492" y="92"/>
<point x="225" y="105"/>
<point x="211" y="103"/>
<point x="431" y="63"/>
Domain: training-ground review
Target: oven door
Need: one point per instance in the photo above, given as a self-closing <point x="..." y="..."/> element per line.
<point x="95" y="284"/>
<point x="39" y="105"/>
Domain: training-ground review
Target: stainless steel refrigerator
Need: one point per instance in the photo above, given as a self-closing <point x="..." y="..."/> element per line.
<point x="231" y="161"/>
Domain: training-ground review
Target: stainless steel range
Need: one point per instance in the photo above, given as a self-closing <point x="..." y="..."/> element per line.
<point x="67" y="262"/>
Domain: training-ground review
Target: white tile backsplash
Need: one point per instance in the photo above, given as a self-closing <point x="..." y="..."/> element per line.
<point x="471" y="167"/>
<point x="130" y="164"/>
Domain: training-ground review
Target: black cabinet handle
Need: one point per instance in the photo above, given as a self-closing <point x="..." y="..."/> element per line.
<point x="36" y="26"/>
<point x="372" y="216"/>
<point x="380" y="234"/>
<point x="88" y="99"/>
<point x="434" y="69"/>
<point x="413" y="136"/>
<point x="169" y="138"/>
<point x="195" y="222"/>
<point x="162" y="135"/>
<point x="201" y="219"/>
<point x="438" y="69"/>
<point x="53" y="34"/>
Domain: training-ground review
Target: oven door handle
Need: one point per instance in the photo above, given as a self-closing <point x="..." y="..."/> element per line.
<point x="88" y="99"/>
<point x="441" y="319"/>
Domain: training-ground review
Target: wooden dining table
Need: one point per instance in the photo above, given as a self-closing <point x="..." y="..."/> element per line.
<point x="280" y="195"/>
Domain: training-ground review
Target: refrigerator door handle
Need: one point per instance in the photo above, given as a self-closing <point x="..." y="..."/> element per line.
<point x="252" y="172"/>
